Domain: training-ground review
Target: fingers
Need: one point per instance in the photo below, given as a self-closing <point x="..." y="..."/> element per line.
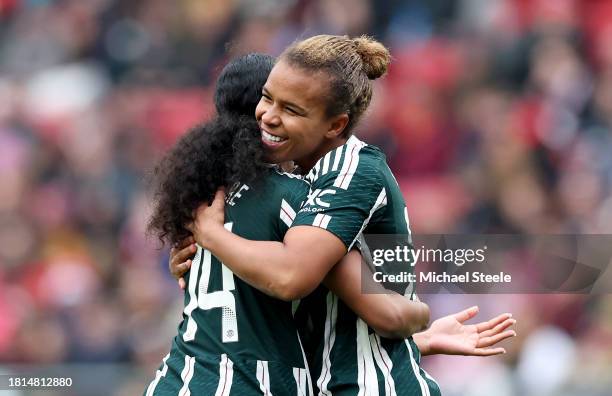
<point x="179" y="270"/>
<point x="466" y="314"/>
<point x="184" y="243"/>
<point x="182" y="284"/>
<point x="219" y="200"/>
<point x="482" y="326"/>
<point x="180" y="260"/>
<point x="488" y="341"/>
<point x="499" y="328"/>
<point x="488" y="352"/>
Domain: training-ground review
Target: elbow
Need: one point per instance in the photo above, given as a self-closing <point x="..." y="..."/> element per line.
<point x="391" y="324"/>
<point x="290" y="286"/>
<point x="398" y="323"/>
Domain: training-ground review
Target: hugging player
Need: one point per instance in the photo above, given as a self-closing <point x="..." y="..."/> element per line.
<point x="314" y="95"/>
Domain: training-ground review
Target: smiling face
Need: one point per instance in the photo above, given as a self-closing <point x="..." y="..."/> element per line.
<point x="292" y="116"/>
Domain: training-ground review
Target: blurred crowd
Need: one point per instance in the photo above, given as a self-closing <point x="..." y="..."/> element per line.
<point x="495" y="116"/>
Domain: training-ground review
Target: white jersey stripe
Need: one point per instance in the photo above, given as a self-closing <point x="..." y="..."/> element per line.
<point x="187" y="375"/>
<point x="325" y="222"/>
<point x="384" y="364"/>
<point x="321" y="220"/>
<point x="349" y="158"/>
<point x="381" y="201"/>
<point x="192" y="326"/>
<point x="326" y="160"/>
<point x="429" y="377"/>
<point x="314" y="172"/>
<point x="263" y="376"/>
<point x="350" y="163"/>
<point x="351" y="171"/>
<point x="366" y="371"/>
<point x="328" y="343"/>
<point x="300" y="381"/>
<point x="287" y="214"/>
<point x="226" y="374"/>
<point x="306" y="370"/>
<point x="337" y="155"/>
<point x="158" y="375"/>
<point x="417" y="373"/>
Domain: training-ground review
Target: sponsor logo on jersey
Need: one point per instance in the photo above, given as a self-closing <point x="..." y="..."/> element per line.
<point x="315" y="197"/>
<point x="311" y="210"/>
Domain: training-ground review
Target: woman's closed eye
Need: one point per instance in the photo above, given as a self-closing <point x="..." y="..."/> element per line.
<point x="291" y="111"/>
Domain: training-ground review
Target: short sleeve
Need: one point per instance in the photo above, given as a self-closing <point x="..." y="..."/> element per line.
<point x="342" y="200"/>
<point x="295" y="193"/>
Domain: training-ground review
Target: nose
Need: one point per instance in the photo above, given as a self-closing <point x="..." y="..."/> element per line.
<point x="270" y="116"/>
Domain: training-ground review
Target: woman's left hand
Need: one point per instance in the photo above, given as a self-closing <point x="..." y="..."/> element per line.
<point x="450" y="336"/>
<point x="208" y="218"/>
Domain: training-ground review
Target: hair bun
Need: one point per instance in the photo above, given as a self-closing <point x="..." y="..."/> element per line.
<point x="374" y="55"/>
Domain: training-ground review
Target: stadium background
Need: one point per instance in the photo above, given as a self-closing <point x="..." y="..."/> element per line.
<point x="495" y="117"/>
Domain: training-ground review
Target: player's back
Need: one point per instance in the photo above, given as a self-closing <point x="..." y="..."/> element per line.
<point x="231" y="329"/>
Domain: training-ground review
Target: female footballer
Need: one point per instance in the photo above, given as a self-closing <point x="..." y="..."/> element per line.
<point x="313" y="98"/>
<point x="235" y="339"/>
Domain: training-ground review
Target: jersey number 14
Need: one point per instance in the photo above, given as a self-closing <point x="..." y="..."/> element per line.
<point x="199" y="297"/>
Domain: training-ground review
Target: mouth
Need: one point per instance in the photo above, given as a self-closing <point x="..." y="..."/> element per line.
<point x="271" y="140"/>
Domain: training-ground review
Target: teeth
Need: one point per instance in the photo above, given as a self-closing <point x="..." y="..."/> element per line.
<point x="271" y="138"/>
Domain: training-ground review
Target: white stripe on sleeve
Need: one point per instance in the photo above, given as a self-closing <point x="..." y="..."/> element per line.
<point x="287" y="214"/>
<point x="381" y="201"/>
<point x="321" y="220"/>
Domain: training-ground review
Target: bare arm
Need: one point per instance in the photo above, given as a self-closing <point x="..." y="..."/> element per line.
<point x="390" y="314"/>
<point x="286" y="270"/>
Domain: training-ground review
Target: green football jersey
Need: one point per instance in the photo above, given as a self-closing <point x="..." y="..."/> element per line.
<point x="353" y="191"/>
<point x="234" y="339"/>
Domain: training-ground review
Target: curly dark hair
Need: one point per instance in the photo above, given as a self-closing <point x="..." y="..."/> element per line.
<point x="221" y="152"/>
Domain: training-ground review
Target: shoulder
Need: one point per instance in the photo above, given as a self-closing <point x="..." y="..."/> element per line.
<point x="353" y="160"/>
<point x="289" y="181"/>
<point x="293" y="188"/>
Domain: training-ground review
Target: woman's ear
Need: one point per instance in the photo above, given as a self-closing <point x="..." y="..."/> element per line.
<point x="338" y="123"/>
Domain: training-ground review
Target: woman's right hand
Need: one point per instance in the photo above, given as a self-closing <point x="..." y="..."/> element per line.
<point x="180" y="259"/>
